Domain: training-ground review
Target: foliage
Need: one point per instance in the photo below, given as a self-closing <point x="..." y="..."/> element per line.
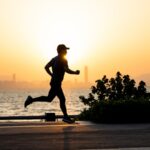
<point x="116" y="100"/>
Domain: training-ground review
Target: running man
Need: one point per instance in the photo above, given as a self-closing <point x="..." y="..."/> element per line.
<point x="56" y="68"/>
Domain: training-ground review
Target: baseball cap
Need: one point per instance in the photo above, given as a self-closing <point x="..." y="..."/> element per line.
<point x="62" y="46"/>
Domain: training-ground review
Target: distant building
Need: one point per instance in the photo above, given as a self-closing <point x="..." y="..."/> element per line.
<point x="14" y="77"/>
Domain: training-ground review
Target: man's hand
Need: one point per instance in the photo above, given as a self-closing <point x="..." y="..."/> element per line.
<point x="71" y="71"/>
<point x="77" y="71"/>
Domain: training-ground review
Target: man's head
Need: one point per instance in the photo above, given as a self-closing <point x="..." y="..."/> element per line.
<point x="62" y="49"/>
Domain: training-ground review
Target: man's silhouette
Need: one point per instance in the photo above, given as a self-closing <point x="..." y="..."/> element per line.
<point x="58" y="65"/>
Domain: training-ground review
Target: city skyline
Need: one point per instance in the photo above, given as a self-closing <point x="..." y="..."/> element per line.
<point x="9" y="83"/>
<point x="44" y="83"/>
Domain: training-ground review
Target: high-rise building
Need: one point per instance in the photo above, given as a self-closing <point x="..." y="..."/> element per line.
<point x="14" y="77"/>
<point x="86" y="74"/>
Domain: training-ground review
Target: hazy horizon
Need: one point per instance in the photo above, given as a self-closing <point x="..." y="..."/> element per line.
<point x="9" y="78"/>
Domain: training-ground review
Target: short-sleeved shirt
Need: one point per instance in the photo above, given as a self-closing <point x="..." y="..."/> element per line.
<point x="58" y="68"/>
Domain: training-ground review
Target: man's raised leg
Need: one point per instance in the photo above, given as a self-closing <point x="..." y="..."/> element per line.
<point x="49" y="98"/>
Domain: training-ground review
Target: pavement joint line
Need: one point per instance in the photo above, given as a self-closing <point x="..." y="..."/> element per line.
<point x="29" y="126"/>
<point x="46" y="125"/>
<point x="34" y="126"/>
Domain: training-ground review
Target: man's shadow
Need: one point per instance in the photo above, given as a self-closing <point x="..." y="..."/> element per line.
<point x="67" y="136"/>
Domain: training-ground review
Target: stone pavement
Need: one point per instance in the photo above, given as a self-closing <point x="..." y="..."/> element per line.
<point x="82" y="135"/>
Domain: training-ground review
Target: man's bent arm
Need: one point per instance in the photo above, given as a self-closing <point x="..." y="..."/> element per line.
<point x="71" y="71"/>
<point x="47" y="68"/>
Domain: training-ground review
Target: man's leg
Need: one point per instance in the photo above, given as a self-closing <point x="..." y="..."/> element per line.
<point x="62" y="100"/>
<point x="55" y="90"/>
<point x="49" y="98"/>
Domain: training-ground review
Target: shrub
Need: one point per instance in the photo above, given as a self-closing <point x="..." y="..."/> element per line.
<point x="117" y="100"/>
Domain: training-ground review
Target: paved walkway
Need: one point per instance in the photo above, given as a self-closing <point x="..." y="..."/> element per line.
<point x="83" y="135"/>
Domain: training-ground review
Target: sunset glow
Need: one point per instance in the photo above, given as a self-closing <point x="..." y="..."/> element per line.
<point x="105" y="35"/>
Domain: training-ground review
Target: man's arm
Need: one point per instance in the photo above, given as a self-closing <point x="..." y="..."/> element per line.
<point x="49" y="64"/>
<point x="71" y="71"/>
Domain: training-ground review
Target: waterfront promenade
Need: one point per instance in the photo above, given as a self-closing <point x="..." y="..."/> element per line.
<point x="82" y="135"/>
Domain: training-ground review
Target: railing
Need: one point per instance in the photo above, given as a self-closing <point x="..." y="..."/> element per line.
<point x="46" y="117"/>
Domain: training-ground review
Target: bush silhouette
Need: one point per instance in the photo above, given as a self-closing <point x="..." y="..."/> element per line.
<point x="116" y="96"/>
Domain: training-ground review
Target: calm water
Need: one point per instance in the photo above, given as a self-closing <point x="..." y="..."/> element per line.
<point x="12" y="102"/>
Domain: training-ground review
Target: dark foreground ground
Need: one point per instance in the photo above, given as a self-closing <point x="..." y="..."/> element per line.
<point x="46" y="136"/>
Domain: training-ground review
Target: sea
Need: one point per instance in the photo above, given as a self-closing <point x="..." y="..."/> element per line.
<point x="12" y="102"/>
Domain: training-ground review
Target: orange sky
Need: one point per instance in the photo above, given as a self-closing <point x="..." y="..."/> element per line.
<point x="105" y="35"/>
